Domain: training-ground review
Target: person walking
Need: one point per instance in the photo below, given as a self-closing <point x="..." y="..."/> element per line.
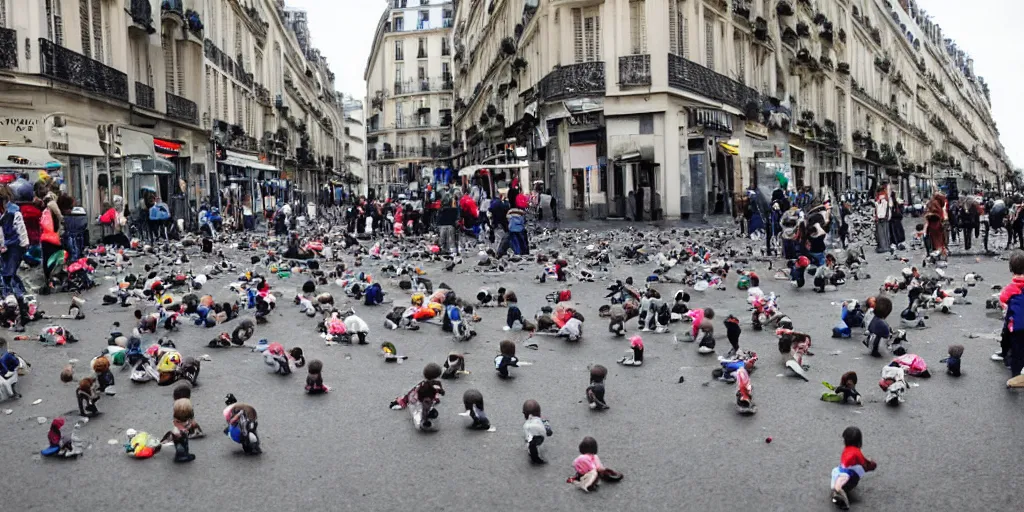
<point x="13" y="244"/>
<point x="883" y="214"/>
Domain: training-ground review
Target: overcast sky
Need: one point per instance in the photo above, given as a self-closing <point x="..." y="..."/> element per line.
<point x="986" y="29"/>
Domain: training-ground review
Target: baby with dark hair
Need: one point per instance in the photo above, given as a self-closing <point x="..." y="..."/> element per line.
<point x="878" y="329"/>
<point x="315" y="380"/>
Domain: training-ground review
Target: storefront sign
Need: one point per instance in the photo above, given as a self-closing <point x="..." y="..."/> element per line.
<point x="19" y="124"/>
<point x="57" y="146"/>
<point x="22" y="131"/>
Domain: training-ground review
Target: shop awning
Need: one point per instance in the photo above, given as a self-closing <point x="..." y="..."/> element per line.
<point x="83" y="140"/>
<point x="167" y="148"/>
<point x="472" y="169"/>
<point x="640" y="154"/>
<point x="135" y="143"/>
<point x="158" y="165"/>
<point x="25" y="158"/>
<point x="247" y="161"/>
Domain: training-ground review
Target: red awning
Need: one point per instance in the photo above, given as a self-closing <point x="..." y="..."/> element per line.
<point x="167" y="148"/>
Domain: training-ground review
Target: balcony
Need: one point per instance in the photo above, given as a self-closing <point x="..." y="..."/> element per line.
<point x="142" y="15"/>
<point x="144" y="96"/>
<point x="173" y="7"/>
<point x="424" y="85"/>
<point x="692" y="77"/>
<point x="587" y="78"/>
<point x="262" y="95"/>
<point x="635" y="70"/>
<point x="230" y="66"/>
<point x="182" y="109"/>
<point x="63" y="65"/>
<point x="8" y="48"/>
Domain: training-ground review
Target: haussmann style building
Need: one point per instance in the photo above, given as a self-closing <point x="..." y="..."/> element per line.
<point x="687" y="103"/>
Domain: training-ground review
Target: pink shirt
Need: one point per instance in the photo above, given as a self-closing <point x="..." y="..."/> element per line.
<point x="586" y="463"/>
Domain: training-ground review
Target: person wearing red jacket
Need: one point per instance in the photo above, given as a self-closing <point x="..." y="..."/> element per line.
<point x="470" y="212"/>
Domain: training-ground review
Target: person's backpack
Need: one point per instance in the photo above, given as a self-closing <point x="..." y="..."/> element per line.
<point x="522" y="202"/>
<point x="49" y="235"/>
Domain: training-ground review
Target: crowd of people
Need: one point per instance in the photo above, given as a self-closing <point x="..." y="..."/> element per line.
<point x="40" y="228"/>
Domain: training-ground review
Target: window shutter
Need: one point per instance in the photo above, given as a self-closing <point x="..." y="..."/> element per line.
<point x="673" y="27"/>
<point x="97" y="30"/>
<point x="638" y="26"/>
<point x="50" y="20"/>
<point x="83" y="13"/>
<point x="709" y="44"/>
<point x="684" y="34"/>
<point x="577" y="29"/>
<point x="238" y="39"/>
<point x="3" y="13"/>
<point x="597" y="35"/>
<point x="209" y="93"/>
<point x="224" y="98"/>
<point x="179" y="68"/>
<point x="741" y="58"/>
<point x="239" y="120"/>
<point x="169" y="75"/>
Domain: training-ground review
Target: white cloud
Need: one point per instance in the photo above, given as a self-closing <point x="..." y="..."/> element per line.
<point x="343" y="31"/>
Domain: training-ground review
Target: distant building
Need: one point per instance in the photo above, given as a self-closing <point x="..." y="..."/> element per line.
<point x="409" y="93"/>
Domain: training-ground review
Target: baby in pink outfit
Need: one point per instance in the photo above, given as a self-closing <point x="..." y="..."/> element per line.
<point x="588" y="467"/>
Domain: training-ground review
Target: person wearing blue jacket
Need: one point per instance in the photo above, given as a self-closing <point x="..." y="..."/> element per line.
<point x="159" y="216"/>
<point x="13" y="244"/>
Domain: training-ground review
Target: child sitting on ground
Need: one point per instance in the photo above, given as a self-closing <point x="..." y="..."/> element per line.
<point x="536" y="429"/>
<point x="315" y="380"/>
<point x="878" y="329"/>
<point x="589" y="468"/>
<point x="852" y="466"/>
<point x="636" y="345"/>
<point x="473" y="400"/>
<point x="595" y="392"/>
<point x="846" y="390"/>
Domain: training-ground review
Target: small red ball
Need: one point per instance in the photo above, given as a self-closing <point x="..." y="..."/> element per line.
<point x="768" y="439"/>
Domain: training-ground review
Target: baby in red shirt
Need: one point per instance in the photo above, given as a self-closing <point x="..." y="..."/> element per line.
<point x="852" y="466"/>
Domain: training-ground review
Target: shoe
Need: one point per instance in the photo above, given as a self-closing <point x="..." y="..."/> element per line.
<point x="840" y="499"/>
<point x="996" y="357"/>
<point x="1016" y="382"/>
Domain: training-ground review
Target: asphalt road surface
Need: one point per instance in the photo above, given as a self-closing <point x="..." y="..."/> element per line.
<point x="954" y="445"/>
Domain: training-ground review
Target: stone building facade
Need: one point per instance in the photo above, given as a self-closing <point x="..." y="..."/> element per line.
<point x="687" y="103"/>
<point x="409" y="85"/>
<point x="187" y="97"/>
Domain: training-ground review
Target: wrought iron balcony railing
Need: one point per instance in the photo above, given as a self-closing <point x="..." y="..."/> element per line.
<point x="8" y="48"/>
<point x="690" y="76"/>
<point x="144" y="96"/>
<point x="61" y="64"/>
<point x="182" y="109"/>
<point x="424" y="85"/>
<point x="635" y="70"/>
<point x="582" y="79"/>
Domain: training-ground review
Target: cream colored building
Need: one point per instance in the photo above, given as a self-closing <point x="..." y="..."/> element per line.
<point x="687" y="103"/>
<point x="409" y="86"/>
<point x="166" y="94"/>
<point x="355" y="144"/>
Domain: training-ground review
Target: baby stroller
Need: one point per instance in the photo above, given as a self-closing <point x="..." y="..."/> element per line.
<point x="73" y="277"/>
<point x="76" y="233"/>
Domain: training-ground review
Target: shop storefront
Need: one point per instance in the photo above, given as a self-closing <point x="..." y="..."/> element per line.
<point x="23" y="144"/>
<point x="77" y="146"/>
<point x="251" y="187"/>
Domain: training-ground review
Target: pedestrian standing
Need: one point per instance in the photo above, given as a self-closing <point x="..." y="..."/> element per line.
<point x="13" y="244"/>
